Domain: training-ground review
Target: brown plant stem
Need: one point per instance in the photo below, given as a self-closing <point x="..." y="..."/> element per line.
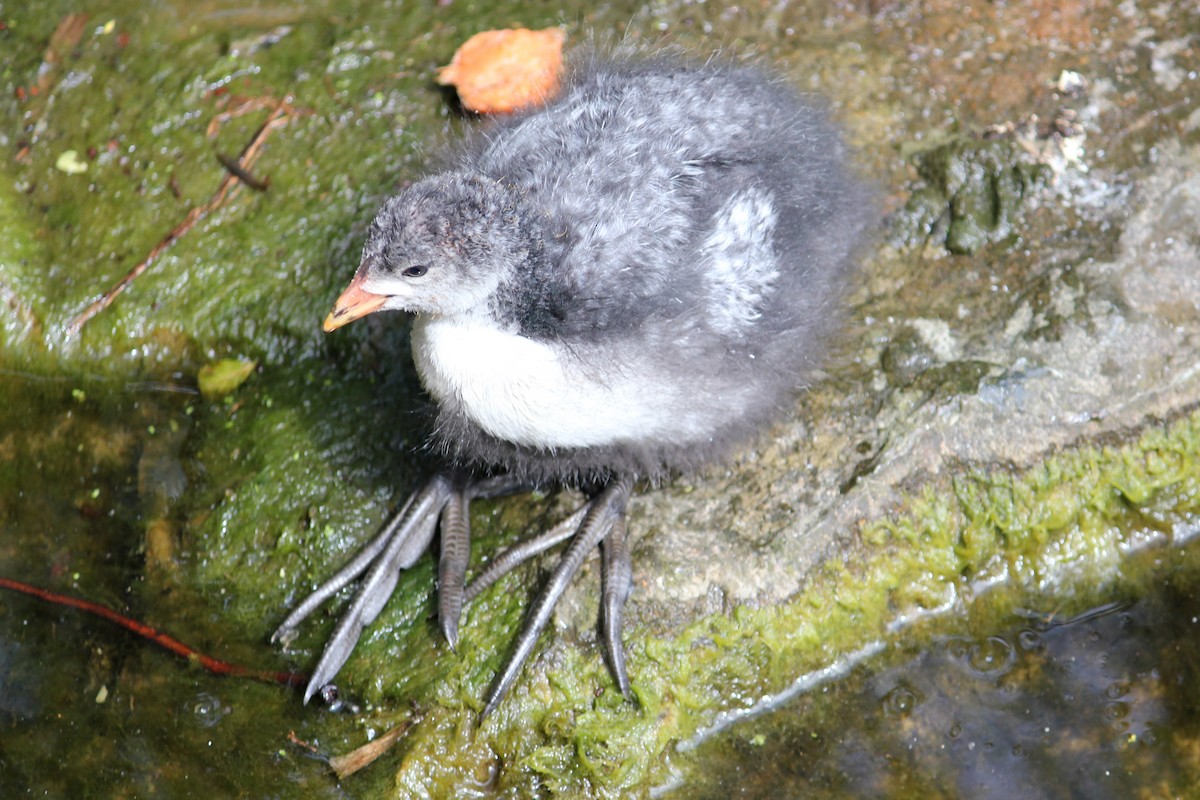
<point x="247" y="158"/>
<point x="165" y="641"/>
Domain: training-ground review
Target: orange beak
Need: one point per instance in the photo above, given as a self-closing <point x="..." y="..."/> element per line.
<point x="354" y="303"/>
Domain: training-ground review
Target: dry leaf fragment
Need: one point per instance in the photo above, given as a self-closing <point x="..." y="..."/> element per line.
<point x="508" y="70"/>
<point x="356" y="759"/>
<point x="64" y="39"/>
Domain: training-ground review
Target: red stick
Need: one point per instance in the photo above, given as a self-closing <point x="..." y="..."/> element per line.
<point x="213" y="665"/>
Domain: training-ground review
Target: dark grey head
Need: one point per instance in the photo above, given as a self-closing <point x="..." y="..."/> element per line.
<point x="443" y="246"/>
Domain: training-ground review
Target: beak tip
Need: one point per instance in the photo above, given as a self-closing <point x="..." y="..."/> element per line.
<point x="354" y="303"/>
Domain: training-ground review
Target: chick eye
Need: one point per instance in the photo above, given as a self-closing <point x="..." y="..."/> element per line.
<point x="415" y="271"/>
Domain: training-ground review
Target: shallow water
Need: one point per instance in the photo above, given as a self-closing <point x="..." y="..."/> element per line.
<point x="1101" y="703"/>
<point x="89" y="470"/>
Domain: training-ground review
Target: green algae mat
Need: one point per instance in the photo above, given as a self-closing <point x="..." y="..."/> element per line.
<point x="179" y="441"/>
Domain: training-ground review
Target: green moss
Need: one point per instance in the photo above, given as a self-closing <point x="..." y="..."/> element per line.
<point x="973" y="193"/>
<point x="253" y="278"/>
<point x="565" y="731"/>
<point x="19" y="250"/>
<point x="287" y="475"/>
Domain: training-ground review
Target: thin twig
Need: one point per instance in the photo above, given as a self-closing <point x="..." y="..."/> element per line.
<point x="350" y="763"/>
<point x="277" y="117"/>
<point x="237" y="170"/>
<point x="169" y="643"/>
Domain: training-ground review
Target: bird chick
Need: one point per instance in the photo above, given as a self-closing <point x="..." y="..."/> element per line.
<point x="624" y="284"/>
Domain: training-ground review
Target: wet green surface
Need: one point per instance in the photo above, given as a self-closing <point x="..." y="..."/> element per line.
<point x="90" y="467"/>
<point x="110" y="462"/>
<point x="971" y="192"/>
<point x="1028" y="695"/>
<point x="209" y="515"/>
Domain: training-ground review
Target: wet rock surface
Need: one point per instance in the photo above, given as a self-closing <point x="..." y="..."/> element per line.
<point x="1033" y="294"/>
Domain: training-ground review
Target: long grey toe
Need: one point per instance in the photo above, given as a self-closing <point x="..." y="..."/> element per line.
<point x="452" y="565"/>
<point x="456" y="546"/>
<point x="518" y="554"/>
<point x="400" y="544"/>
<point x="602" y="512"/>
<point x="357" y="566"/>
<point x="616" y="579"/>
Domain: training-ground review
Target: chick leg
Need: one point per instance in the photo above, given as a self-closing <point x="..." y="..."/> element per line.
<point x="602" y="513"/>
<point x="406" y="537"/>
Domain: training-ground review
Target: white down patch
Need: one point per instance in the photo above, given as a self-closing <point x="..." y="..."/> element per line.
<point x="538" y="393"/>
<point x="739" y="259"/>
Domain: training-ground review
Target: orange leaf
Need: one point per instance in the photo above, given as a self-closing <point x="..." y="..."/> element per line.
<point x="500" y="71"/>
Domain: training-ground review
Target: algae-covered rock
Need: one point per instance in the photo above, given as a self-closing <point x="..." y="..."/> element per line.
<point x="974" y="192"/>
<point x="1012" y="415"/>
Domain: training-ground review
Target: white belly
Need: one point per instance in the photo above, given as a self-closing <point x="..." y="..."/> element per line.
<point x="533" y="393"/>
